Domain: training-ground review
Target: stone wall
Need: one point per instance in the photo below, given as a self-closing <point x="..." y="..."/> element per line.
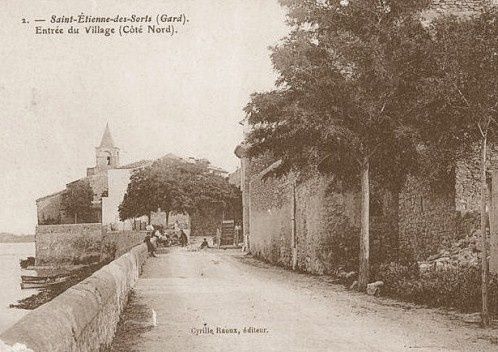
<point x="68" y="244"/>
<point x="117" y="243"/>
<point x="459" y="6"/>
<point x="327" y="223"/>
<point x="325" y="220"/>
<point x="468" y="180"/>
<point x="61" y="245"/>
<point x="415" y="224"/>
<point x="427" y="220"/>
<point x="84" y="317"/>
<point x="271" y="219"/>
<point x="430" y="221"/>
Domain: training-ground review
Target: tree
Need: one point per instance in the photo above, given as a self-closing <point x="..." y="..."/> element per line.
<point x="178" y="186"/>
<point x="77" y="200"/>
<point x="460" y="96"/>
<point x="346" y="77"/>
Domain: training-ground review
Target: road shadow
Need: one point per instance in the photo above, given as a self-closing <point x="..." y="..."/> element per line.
<point x="136" y="319"/>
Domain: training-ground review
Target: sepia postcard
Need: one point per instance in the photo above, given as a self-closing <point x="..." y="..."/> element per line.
<point x="248" y="175"/>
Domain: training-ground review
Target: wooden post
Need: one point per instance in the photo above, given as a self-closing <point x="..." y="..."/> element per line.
<point x="484" y="247"/>
<point x="365" y="227"/>
<point x="293" y="224"/>
<point x="493" y="226"/>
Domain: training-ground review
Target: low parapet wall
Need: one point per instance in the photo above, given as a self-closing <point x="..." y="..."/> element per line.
<point x="83" y="318"/>
<point x="116" y="243"/>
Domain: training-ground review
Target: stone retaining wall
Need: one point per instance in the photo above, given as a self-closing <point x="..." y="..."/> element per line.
<point x="84" y="317"/>
<point x="62" y="245"/>
<point x="68" y="244"/>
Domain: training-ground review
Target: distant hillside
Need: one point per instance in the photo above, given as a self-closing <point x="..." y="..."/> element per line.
<point x="11" y="238"/>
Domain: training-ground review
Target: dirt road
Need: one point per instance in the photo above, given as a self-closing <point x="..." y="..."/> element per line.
<point x="223" y="301"/>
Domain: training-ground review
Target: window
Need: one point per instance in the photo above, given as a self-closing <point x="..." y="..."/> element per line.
<point x="108" y="160"/>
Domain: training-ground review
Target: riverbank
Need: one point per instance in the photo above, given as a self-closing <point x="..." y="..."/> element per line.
<point x="10" y="280"/>
<point x="48" y="294"/>
<point x="85" y="316"/>
<point x="11" y="238"/>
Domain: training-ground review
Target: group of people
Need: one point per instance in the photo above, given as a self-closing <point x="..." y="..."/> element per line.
<point x="157" y="236"/>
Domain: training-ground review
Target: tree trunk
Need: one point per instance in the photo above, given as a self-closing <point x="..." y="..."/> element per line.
<point x="293" y="228"/>
<point x="484" y="247"/>
<point x="365" y="226"/>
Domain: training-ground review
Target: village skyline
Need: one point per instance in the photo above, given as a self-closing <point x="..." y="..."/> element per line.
<point x="182" y="95"/>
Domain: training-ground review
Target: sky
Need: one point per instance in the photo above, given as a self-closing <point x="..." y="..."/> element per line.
<point x="160" y="94"/>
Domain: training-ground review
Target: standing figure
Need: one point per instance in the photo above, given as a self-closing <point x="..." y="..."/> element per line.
<point x="150" y="245"/>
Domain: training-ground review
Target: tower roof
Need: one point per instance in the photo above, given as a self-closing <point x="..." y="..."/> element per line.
<point x="107" y="138"/>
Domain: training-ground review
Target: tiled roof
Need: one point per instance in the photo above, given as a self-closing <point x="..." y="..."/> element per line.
<point x="137" y="164"/>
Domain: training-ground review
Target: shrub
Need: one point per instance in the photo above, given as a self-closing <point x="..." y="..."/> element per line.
<point x="451" y="287"/>
<point x="341" y="250"/>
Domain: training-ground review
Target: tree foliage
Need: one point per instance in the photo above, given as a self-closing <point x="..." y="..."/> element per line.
<point x="77" y="201"/>
<point x="460" y="91"/>
<point x="178" y="186"/>
<point x="346" y="77"/>
<point x="461" y="108"/>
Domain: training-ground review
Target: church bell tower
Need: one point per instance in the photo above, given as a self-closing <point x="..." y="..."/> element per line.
<point x="107" y="155"/>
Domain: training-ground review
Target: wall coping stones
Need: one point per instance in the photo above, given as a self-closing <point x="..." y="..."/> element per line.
<point x="84" y="317"/>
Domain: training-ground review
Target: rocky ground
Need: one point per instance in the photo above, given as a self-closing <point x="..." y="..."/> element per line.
<point x="464" y="252"/>
<point x="221" y="300"/>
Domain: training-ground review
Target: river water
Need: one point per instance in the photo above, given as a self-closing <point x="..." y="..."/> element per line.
<point x="10" y="279"/>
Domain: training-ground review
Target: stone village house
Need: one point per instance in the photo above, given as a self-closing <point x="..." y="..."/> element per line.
<point x="299" y="224"/>
<point x="109" y="181"/>
<point x="61" y="242"/>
